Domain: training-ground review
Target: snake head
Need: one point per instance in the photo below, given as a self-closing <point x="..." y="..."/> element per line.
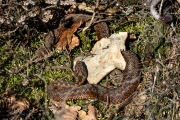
<point x="166" y="18"/>
<point x="80" y="69"/>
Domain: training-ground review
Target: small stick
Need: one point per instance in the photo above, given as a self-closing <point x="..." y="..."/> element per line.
<point x="93" y="16"/>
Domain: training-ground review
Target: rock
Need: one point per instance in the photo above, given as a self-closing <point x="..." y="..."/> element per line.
<point x="106" y="56"/>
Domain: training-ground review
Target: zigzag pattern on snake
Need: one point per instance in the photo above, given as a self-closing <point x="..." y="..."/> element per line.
<point x="63" y="90"/>
<point x="131" y="80"/>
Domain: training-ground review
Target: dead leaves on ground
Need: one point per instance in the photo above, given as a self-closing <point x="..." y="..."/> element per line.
<point x="65" y="33"/>
<point x="74" y="112"/>
<point x="11" y="105"/>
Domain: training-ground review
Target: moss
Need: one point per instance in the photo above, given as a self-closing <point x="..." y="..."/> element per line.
<point x="135" y="28"/>
<point x="155" y="42"/>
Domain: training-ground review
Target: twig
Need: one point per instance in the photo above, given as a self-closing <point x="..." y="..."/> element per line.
<point x="103" y="20"/>
<point x="56" y="67"/>
<point x="160" y="98"/>
<point x="45" y="93"/>
<point x="161" y="63"/>
<point x="93" y="16"/>
<point x="10" y="32"/>
<point x="160" y="8"/>
<point x="35" y="59"/>
<point x="30" y="113"/>
<point x="155" y="78"/>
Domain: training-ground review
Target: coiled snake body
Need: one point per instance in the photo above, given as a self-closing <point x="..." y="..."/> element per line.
<point x="62" y="90"/>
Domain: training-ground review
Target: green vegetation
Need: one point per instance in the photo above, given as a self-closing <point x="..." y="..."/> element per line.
<point x="157" y="47"/>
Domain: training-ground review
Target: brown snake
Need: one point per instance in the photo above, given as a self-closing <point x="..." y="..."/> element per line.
<point x="62" y="90"/>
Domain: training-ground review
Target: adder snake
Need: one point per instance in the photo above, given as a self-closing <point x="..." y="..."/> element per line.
<point x="62" y="90"/>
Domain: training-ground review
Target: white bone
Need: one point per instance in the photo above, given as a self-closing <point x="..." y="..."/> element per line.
<point x="106" y="56"/>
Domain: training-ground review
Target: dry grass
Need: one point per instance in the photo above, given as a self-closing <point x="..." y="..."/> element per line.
<point x="22" y="76"/>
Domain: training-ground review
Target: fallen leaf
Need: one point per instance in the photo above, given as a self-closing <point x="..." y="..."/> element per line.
<point x="10" y="103"/>
<point x="67" y="112"/>
<point x="65" y="32"/>
<point x="82" y="114"/>
<point x="92" y="113"/>
<point x="74" y="42"/>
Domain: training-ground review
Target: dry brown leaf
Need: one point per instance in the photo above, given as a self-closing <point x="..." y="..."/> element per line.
<point x="92" y="113"/>
<point x="66" y="31"/>
<point x="82" y="114"/>
<point x="132" y="37"/>
<point x="20" y="104"/>
<point x="75" y="42"/>
<point x="73" y="112"/>
<point x="67" y="113"/>
<point x="11" y="103"/>
<point x="67" y="36"/>
<point x="84" y="7"/>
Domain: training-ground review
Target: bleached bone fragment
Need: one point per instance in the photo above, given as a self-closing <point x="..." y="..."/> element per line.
<point x="106" y="56"/>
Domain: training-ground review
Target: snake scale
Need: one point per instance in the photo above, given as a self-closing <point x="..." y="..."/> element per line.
<point x="62" y="90"/>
